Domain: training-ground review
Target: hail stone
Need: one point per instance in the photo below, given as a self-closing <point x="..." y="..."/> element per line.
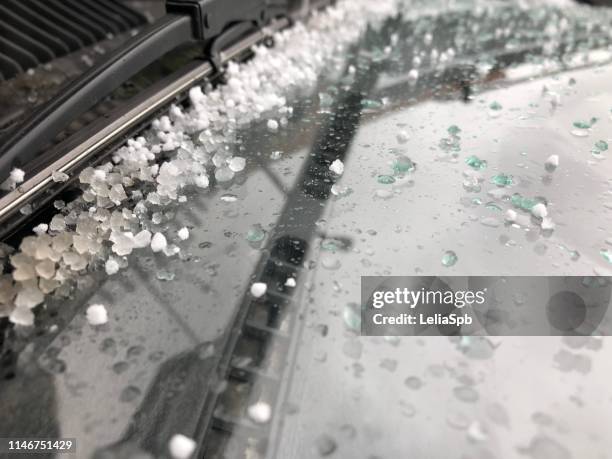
<point x="539" y="210"/>
<point x="183" y="233"/>
<point x="236" y="164"/>
<point x="181" y="447"/>
<point x="97" y="314"/>
<point x="260" y="412"/>
<point x="111" y="266"/>
<point x="58" y="176"/>
<point x="158" y="242"/>
<point x="337" y="167"/>
<point x="258" y="289"/>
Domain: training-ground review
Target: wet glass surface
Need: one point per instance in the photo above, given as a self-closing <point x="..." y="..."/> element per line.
<point x="432" y="162"/>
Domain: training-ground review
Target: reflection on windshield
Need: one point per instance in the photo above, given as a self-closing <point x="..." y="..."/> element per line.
<point x="458" y="134"/>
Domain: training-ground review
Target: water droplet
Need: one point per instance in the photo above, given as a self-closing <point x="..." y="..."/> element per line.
<point x="348" y="430"/>
<point x="156" y="356"/>
<point x="229" y="197"/>
<point x="502" y="180"/>
<point x="330" y="262"/>
<point x="108" y="346"/>
<point x="475" y="162"/>
<point x="134" y="351"/>
<point x="352" y="316"/>
<point x="453" y="130"/>
<point x="164" y="275"/>
<point x="600" y="146"/>
<point x="325" y="445"/>
<point x="580" y="132"/>
<point x="54" y="365"/>
<point x="449" y="258"/>
<point x="256" y="233"/>
<point x="457" y="420"/>
<point x="493" y="206"/>
<point x="369" y="104"/>
<point x="407" y="409"/>
<point x="331" y="245"/>
<point x="129" y="394"/>
<point x="566" y="361"/>
<point x="551" y="163"/>
<point x="325" y="100"/>
<point x="466" y="394"/>
<point x="525" y="203"/>
<point x="584" y="124"/>
<point x="542" y="419"/>
<point x="388" y="364"/>
<point x="120" y="367"/>
<point x="498" y="414"/>
<point x="403" y="164"/>
<point x="491" y="222"/>
<point x="543" y="447"/>
<point x="413" y="382"/>
<point x="352" y="348"/>
<point x="385" y="179"/>
<point x="435" y="370"/>
<point x="472" y="185"/>
<point x="607" y="255"/>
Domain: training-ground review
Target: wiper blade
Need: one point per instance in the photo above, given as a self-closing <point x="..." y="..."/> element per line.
<point x="213" y="23"/>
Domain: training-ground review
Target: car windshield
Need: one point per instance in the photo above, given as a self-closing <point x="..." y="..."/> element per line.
<point x="401" y="139"/>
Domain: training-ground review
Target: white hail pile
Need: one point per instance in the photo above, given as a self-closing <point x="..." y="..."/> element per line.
<point x="123" y="200"/>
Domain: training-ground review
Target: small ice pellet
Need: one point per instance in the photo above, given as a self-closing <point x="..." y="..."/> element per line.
<point x="236" y="164"/>
<point x="547" y="224"/>
<point x="17" y="175"/>
<point x="224" y="174"/>
<point x="260" y="412"/>
<point x="272" y="125"/>
<point x="158" y="242"/>
<point x="202" y="181"/>
<point x="383" y="194"/>
<point x="111" y="266"/>
<point x="337" y="167"/>
<point x="539" y="210"/>
<point x="22" y="316"/>
<point x="511" y="215"/>
<point x="142" y="239"/>
<point x="413" y="76"/>
<point x="290" y="282"/>
<point x="476" y="433"/>
<point x="181" y="446"/>
<point x="41" y="228"/>
<point x="229" y="198"/>
<point x="402" y="137"/>
<point x="340" y="190"/>
<point x="97" y="315"/>
<point x="183" y="233"/>
<point x="551" y="163"/>
<point x="258" y="289"/>
<point x="58" y="176"/>
<point x="196" y="94"/>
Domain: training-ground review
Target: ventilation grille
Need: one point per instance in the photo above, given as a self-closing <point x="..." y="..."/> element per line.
<point x="33" y="32"/>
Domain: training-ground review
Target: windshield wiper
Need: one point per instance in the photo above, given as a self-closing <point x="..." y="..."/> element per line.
<point x="214" y="24"/>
